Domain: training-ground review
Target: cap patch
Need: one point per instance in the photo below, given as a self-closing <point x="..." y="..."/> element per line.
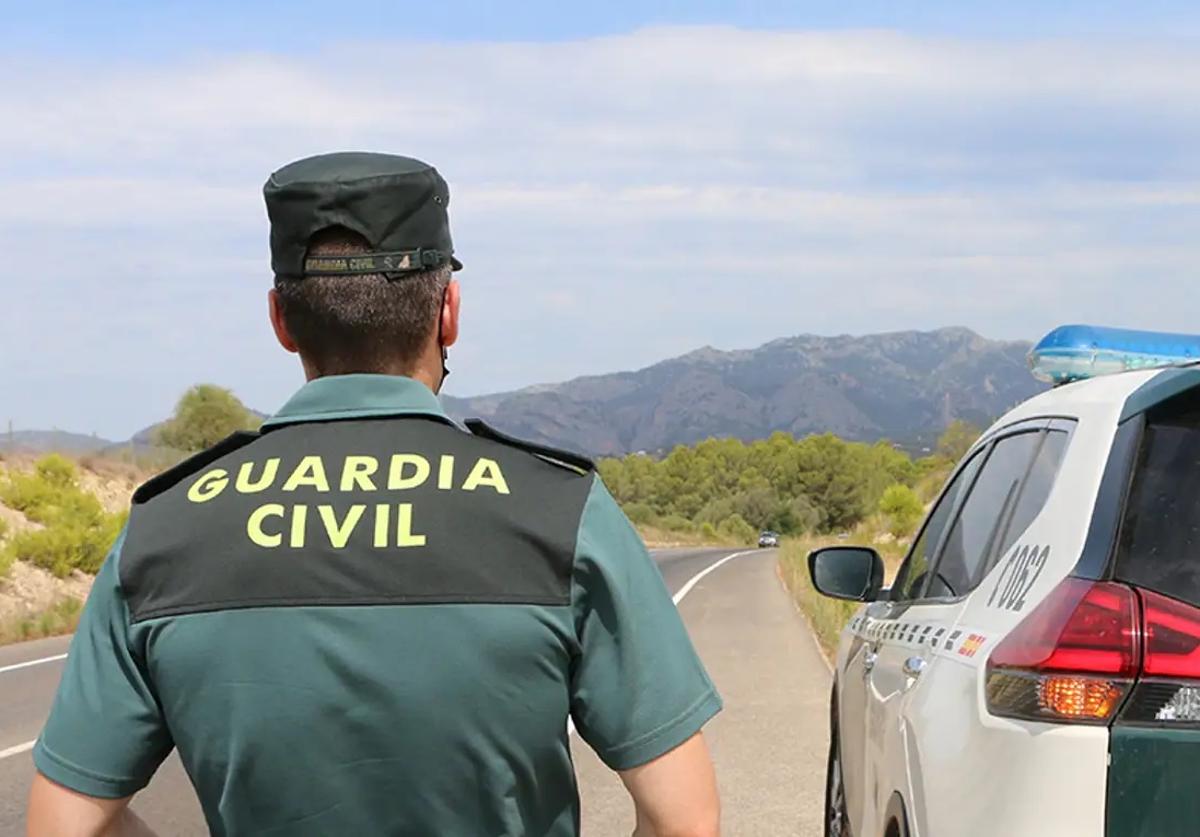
<point x="399" y="261"/>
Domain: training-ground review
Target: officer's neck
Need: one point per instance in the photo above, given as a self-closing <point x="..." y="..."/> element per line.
<point x="425" y="372"/>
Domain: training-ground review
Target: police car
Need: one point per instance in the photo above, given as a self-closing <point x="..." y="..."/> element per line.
<point x="1034" y="668"/>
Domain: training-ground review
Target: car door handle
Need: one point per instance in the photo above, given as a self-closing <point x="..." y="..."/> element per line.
<point x="869" y="659"/>
<point x="913" y="666"/>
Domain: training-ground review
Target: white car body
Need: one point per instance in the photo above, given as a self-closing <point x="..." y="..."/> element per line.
<point x="913" y="728"/>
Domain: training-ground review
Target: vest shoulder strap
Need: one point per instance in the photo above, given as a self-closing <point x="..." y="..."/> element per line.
<point x="173" y="476"/>
<point x="555" y="456"/>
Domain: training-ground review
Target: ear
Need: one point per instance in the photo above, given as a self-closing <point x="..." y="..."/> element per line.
<point x="275" y="307"/>
<point x="450" y="314"/>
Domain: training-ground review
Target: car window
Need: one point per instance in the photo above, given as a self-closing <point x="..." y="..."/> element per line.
<point x="912" y="574"/>
<point x="1011" y="489"/>
<point x="1160" y="538"/>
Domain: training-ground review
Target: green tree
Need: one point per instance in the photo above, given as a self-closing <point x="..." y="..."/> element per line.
<point x="205" y="415"/>
<point x="957" y="439"/>
<point x="902" y="508"/>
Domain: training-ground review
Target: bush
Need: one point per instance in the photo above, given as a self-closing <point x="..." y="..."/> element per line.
<point x="902" y="508"/>
<point x="205" y="415"/>
<point x="68" y="544"/>
<point x="6" y="557"/>
<point x="676" y="523"/>
<point x="76" y="531"/>
<point x="640" y="514"/>
<point x="736" y="528"/>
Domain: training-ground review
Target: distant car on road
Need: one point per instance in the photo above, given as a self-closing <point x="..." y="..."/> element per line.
<point x="768" y="539"/>
<point x="1034" y="668"/>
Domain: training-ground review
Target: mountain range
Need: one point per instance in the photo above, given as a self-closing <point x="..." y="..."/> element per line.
<point x="902" y="386"/>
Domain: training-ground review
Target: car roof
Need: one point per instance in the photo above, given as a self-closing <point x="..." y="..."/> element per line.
<point x="1118" y="395"/>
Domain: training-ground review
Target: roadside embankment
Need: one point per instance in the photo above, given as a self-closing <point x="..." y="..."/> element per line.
<point x="828" y="616"/>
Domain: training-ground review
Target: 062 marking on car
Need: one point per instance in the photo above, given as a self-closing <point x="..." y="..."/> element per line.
<point x="1017" y="577"/>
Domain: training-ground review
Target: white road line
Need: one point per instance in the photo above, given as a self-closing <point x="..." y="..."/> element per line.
<point x="16" y="666"/>
<point x="698" y="577"/>
<point x="17" y="750"/>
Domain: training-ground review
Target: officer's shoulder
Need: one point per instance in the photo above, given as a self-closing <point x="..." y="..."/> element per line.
<point x="576" y="463"/>
<point x="171" y="477"/>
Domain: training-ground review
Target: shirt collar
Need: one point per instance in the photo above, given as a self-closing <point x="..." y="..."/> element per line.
<point x="358" y="396"/>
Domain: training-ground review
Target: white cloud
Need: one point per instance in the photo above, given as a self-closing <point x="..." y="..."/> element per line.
<point x="615" y="199"/>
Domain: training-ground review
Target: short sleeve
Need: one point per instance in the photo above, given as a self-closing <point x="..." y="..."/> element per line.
<point x="105" y="736"/>
<point x="638" y="689"/>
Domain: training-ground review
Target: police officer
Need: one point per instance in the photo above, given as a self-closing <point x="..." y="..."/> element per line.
<point x="363" y="619"/>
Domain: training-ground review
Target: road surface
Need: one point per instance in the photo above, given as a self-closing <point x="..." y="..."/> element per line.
<point x="769" y="743"/>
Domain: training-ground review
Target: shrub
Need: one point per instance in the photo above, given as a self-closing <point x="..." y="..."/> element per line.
<point x="6" y="557"/>
<point x="676" y="523"/>
<point x="68" y="544"/>
<point x="76" y="531"/>
<point x="902" y="508"/>
<point x="736" y="528"/>
<point x="640" y="514"/>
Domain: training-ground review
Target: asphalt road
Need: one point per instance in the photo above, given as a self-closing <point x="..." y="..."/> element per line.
<point x="769" y="743"/>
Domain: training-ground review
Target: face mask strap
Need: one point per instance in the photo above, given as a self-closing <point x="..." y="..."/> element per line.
<point x="445" y="354"/>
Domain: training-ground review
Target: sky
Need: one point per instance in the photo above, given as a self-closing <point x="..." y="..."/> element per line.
<point x="630" y="181"/>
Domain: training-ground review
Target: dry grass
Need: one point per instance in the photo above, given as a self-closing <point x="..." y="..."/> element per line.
<point x="60" y="618"/>
<point x="828" y="616"/>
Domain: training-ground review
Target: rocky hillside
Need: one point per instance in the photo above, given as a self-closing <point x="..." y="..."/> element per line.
<point x="904" y="386"/>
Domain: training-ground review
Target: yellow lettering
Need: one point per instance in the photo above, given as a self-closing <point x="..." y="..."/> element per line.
<point x="208" y="486"/>
<point x="339" y="533"/>
<point x="310" y="471"/>
<point x="383" y="514"/>
<point x="486" y="472"/>
<point x="357" y="471"/>
<point x="246" y="485"/>
<point x="299" y="520"/>
<point x="396" y="479"/>
<point x="254" y="525"/>
<point x="404" y="532"/>
<point x="446" y="472"/>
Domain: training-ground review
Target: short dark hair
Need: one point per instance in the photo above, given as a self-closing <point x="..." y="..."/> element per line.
<point x="369" y="323"/>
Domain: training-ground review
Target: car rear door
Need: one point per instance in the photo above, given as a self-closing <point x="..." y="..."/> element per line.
<point x="922" y="691"/>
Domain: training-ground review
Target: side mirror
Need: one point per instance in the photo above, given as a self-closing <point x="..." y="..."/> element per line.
<point x="847" y="572"/>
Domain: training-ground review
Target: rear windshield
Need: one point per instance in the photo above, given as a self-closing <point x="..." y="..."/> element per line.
<point x="1160" y="538"/>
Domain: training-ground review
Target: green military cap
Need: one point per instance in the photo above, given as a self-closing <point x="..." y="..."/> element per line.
<point x="397" y="203"/>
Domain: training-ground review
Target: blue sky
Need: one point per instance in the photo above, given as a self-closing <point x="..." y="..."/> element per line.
<point x="630" y="181"/>
<point x="165" y="27"/>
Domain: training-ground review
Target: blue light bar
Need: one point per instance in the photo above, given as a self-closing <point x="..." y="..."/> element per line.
<point x="1074" y="352"/>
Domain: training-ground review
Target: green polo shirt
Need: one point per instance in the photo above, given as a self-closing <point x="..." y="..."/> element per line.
<point x="368" y="621"/>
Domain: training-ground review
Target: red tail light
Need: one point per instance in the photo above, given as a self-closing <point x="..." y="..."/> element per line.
<point x="1073" y="658"/>
<point x="1168" y="692"/>
<point x="1077" y="655"/>
<point x="1172" y="637"/>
